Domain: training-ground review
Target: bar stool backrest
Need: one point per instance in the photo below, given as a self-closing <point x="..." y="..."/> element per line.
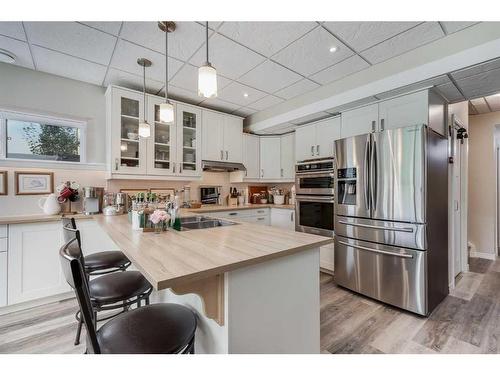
<point x="70" y="233"/>
<point x="70" y="257"/>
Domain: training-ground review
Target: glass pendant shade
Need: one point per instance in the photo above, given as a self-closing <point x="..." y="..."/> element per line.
<point x="144" y="129"/>
<point x="207" y="81"/>
<point x="167" y="112"/>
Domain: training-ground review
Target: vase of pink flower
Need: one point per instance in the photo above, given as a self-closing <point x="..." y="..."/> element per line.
<point x="159" y="218"/>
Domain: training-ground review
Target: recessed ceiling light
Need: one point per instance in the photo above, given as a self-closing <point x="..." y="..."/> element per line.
<point x="7" y="57"/>
<point x="333" y="49"/>
<point x="245" y="95"/>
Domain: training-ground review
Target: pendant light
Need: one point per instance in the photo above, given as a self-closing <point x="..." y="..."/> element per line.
<point x="144" y="127"/>
<point x="167" y="108"/>
<point x="207" y="76"/>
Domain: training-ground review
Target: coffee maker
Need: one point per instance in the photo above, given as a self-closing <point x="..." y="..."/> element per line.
<point x="92" y="200"/>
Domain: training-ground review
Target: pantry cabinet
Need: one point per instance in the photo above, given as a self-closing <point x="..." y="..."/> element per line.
<point x="315" y="141"/>
<point x="270" y="157"/>
<point x="222" y="137"/>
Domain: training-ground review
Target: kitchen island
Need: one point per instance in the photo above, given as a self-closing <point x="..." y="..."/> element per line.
<point x="255" y="288"/>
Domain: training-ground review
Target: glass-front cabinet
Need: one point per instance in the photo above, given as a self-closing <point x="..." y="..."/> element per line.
<point x="188" y="120"/>
<point x="128" y="149"/>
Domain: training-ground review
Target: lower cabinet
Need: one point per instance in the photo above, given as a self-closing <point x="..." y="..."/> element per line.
<point x="326" y="257"/>
<point x="33" y="267"/>
<point x="3" y="279"/>
<point x="282" y="218"/>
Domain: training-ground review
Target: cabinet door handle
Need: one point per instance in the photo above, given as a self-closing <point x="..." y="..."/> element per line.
<point x="233" y="213"/>
<point x="312" y="150"/>
<point x="382" y="125"/>
<point x="260" y="211"/>
<point x="317" y="149"/>
<point x="180" y="167"/>
<point x="374" y="123"/>
<point x="227" y="155"/>
<point x="173" y="167"/>
<point x="291" y="216"/>
<point x="261" y="218"/>
<point x="116" y="164"/>
<point x="281" y="172"/>
<point x="261" y="173"/>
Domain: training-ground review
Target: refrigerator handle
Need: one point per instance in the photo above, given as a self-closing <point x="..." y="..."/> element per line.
<point x="399" y="255"/>
<point x="373" y="176"/>
<point x="366" y="176"/>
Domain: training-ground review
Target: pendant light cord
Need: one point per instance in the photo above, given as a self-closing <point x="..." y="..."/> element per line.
<point x="206" y="33"/>
<point x="166" y="62"/>
<point x="144" y="88"/>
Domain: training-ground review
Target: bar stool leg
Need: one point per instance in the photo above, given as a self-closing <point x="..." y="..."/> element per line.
<point x="147" y="300"/>
<point x="138" y="302"/>
<point x="79" y="329"/>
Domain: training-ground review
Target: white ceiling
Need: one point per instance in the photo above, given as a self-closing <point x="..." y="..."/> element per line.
<point x="270" y="62"/>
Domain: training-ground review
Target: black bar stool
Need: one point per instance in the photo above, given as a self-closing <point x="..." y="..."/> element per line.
<point x="110" y="291"/>
<point x="100" y="263"/>
<point x="153" y="329"/>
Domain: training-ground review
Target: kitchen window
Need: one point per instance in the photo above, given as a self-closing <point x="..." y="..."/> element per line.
<point x="41" y="138"/>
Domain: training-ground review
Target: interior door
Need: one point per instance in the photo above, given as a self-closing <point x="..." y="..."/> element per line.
<point x="397" y="181"/>
<point x="352" y="176"/>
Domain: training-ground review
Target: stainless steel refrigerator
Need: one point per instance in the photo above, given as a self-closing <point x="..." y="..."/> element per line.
<point x="391" y="217"/>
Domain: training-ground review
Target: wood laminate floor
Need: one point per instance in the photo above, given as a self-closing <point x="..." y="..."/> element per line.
<point x="467" y="321"/>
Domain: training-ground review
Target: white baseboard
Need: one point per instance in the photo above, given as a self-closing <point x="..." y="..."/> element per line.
<point x="478" y="254"/>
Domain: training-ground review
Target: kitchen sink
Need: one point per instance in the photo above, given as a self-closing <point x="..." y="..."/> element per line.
<point x="203" y="222"/>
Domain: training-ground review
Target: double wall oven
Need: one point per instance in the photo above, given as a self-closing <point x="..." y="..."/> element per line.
<point x="314" y="201"/>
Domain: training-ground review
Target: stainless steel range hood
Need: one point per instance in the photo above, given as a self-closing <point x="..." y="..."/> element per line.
<point x="221" y="166"/>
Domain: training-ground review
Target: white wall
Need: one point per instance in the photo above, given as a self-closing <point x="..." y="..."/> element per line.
<point x="482" y="182"/>
<point x="43" y="93"/>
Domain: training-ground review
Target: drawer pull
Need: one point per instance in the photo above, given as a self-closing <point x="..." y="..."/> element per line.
<point x="233" y="213"/>
<point x="376" y="251"/>
<point x="394" y="229"/>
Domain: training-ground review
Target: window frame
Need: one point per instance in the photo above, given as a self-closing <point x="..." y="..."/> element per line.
<point x="44" y="119"/>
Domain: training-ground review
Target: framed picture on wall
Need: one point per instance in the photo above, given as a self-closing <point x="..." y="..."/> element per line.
<point x="34" y="183"/>
<point x="4" y="188"/>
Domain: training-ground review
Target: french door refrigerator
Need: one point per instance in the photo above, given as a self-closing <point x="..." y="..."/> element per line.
<point x="391" y="216"/>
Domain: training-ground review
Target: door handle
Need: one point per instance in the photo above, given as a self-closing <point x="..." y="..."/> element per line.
<point x="317" y="150"/>
<point x="376" y="250"/>
<point x="221" y="155"/>
<point x="374" y="123"/>
<point x="227" y="155"/>
<point x="393" y="229"/>
<point x="382" y="125"/>
<point x="312" y="150"/>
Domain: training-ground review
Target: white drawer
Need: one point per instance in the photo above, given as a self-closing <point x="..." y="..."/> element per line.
<point x="3" y="245"/>
<point x="239" y="213"/>
<point x="3" y="230"/>
<point x="262" y="220"/>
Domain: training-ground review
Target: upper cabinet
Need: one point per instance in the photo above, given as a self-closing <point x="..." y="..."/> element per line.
<point x="270" y="158"/>
<point x="287" y="151"/>
<point x="188" y="140"/>
<point x="315" y="141"/>
<point x="251" y="156"/>
<point x="222" y="137"/>
<point x="421" y="107"/>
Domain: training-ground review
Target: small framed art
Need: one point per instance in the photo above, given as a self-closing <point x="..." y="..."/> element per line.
<point x="34" y="183"/>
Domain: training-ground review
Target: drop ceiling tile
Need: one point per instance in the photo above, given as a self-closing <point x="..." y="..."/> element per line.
<point x="229" y="58"/>
<point x="298" y="88"/>
<point x="342" y="69"/>
<point x="244" y="111"/>
<point x="131" y="81"/>
<point x="266" y="38"/>
<point x="480" y="84"/>
<point x="472" y="110"/>
<point x="476" y="69"/>
<point x="72" y="38"/>
<point x="106" y="26"/>
<point x="311" y="118"/>
<point x="270" y="77"/>
<point x="404" y="42"/>
<point x="19" y="49"/>
<point x="311" y="53"/>
<point x="68" y="66"/>
<point x="494" y="102"/>
<point x="440" y="80"/>
<point x="454" y="26"/>
<point x="235" y="93"/>
<point x="219" y="105"/>
<point x="182" y="43"/>
<point x="126" y="55"/>
<point x="182" y="95"/>
<point x="362" y="35"/>
<point x="480" y="105"/>
<point x="450" y="92"/>
<point x="187" y="78"/>
<point x="13" y="30"/>
<point x="266" y="102"/>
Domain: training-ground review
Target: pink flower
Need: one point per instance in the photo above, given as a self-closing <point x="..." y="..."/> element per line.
<point x="159" y="216"/>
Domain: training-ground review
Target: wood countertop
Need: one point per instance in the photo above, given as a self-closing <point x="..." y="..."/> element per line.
<point x="27" y="219"/>
<point x="172" y="258"/>
<point x="216" y="208"/>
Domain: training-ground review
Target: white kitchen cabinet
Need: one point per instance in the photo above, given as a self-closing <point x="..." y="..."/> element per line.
<point x="251" y="156"/>
<point x="261" y="220"/>
<point x="287" y="150"/>
<point x="270" y="158"/>
<point x="283" y="218"/>
<point x="315" y="141"/>
<point x="128" y="150"/>
<point x="326" y="258"/>
<point x="3" y="278"/>
<point x="222" y="137"/>
<point x="359" y="121"/>
<point x="188" y="140"/>
<point x="406" y="110"/>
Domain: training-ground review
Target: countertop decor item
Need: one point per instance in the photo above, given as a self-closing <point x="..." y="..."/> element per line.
<point x="4" y="187"/>
<point x="34" y="183"/>
<point x="167" y="108"/>
<point x="50" y="205"/>
<point x="159" y="218"/>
